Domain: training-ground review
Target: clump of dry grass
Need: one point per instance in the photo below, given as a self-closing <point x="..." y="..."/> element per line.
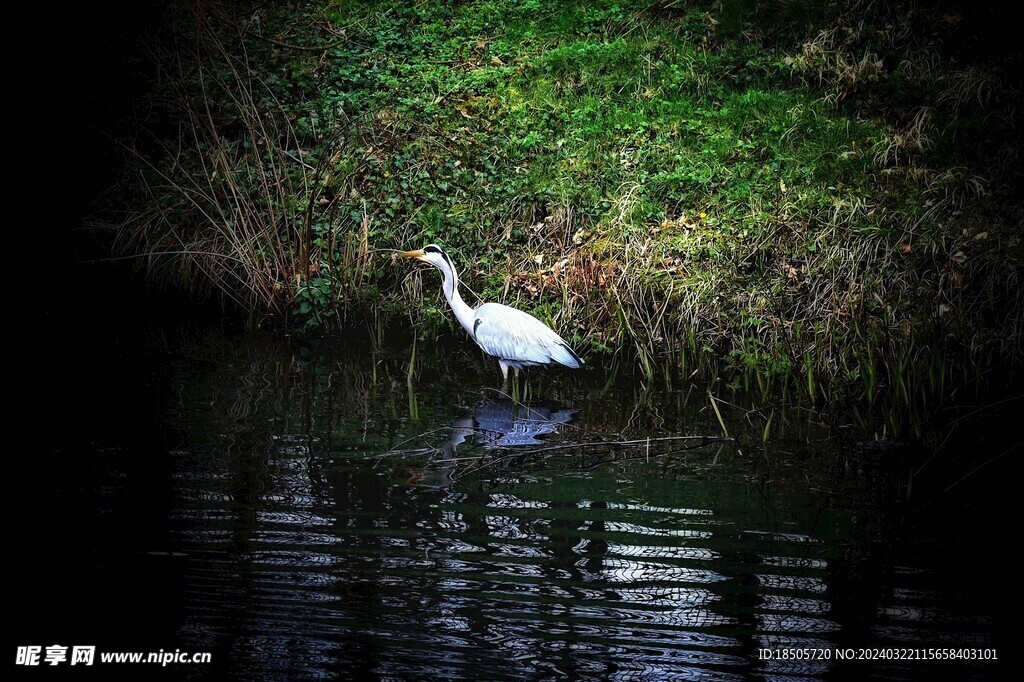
<point x="237" y="192"/>
<point x="831" y="62"/>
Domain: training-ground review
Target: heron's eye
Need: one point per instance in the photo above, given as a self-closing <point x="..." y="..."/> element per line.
<point x="431" y="249"/>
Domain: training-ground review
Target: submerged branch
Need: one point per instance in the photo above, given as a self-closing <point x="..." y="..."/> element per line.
<point x="616" y="444"/>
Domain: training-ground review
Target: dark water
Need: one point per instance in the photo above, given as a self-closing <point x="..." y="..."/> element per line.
<point x="301" y="512"/>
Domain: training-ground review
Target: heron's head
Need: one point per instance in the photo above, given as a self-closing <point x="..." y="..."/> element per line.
<point x="432" y="254"/>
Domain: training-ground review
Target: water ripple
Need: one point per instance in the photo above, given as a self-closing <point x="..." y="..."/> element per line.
<point x="303" y="551"/>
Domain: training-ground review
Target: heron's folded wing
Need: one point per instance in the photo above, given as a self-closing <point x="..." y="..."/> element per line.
<point x="511" y="334"/>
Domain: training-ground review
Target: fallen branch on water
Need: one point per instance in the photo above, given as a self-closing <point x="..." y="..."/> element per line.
<point x="525" y="455"/>
<point x="617" y="444"/>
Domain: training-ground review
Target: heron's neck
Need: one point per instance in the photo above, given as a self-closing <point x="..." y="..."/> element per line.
<point x="451" y="291"/>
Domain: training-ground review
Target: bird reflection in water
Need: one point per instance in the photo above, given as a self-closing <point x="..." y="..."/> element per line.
<point x="496" y="423"/>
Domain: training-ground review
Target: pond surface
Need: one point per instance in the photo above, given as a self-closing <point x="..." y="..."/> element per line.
<point x="307" y="512"/>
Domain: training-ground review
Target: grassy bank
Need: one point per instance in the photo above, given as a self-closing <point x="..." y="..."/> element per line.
<point x="803" y="195"/>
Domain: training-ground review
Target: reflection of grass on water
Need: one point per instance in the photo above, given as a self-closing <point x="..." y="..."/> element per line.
<point x="262" y="400"/>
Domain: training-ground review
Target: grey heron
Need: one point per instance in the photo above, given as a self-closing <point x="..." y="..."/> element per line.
<point x="516" y="338"/>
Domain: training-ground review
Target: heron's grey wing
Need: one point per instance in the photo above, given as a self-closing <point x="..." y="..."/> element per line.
<point x="511" y="334"/>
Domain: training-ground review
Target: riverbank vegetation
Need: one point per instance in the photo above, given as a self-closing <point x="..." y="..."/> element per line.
<point x="800" y="195"/>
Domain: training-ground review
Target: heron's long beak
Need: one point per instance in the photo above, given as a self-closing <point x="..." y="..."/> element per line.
<point x="418" y="253"/>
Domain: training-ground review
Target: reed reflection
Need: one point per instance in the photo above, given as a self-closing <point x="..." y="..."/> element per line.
<point x="599" y="540"/>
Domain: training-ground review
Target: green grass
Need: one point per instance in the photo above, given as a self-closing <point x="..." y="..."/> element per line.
<point x="800" y="194"/>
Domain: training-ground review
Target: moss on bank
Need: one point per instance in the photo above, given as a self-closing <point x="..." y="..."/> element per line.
<point x="796" y="192"/>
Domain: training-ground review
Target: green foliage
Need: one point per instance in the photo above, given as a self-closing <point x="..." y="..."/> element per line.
<point x="769" y="183"/>
<point x="314" y="302"/>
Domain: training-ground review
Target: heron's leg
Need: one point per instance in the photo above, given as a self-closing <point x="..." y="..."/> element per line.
<point x="515" y="385"/>
<point x="504" y="374"/>
<point x="525" y="395"/>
